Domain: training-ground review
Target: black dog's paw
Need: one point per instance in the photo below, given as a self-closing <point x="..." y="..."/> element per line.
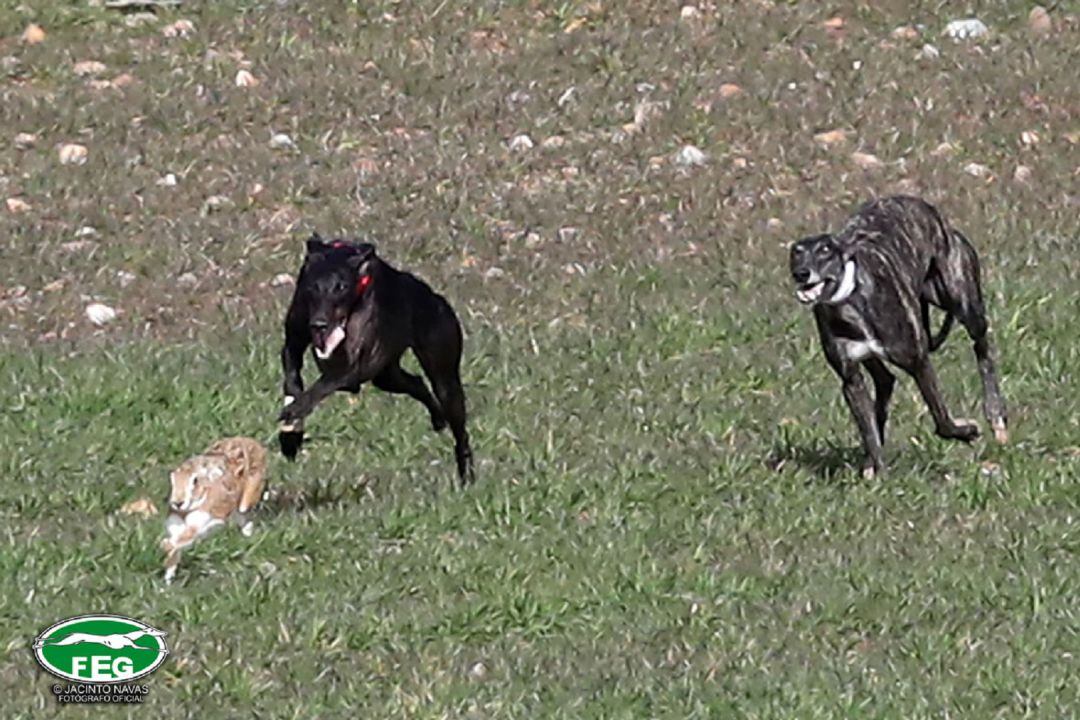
<point x="290" y="443"/>
<point x="438" y="422"/>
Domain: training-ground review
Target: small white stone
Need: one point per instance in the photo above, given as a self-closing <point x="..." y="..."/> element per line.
<point x="166" y="180"/>
<point x="520" y="143"/>
<point x="124" y="277"/>
<point x="690" y="155"/>
<point x="25" y="141"/>
<point x="929" y="52"/>
<point x="245" y="79"/>
<point x="187" y="280"/>
<point x="966" y="29"/>
<point x="281" y="280"/>
<point x="100" y="314"/>
<point x="1022" y="174"/>
<point x="976" y="169"/>
<point x="180" y="28"/>
<point x="86" y="231"/>
<point x="281" y="141"/>
<point x="73" y="154"/>
<point x="88" y="67"/>
<point x="478" y="671"/>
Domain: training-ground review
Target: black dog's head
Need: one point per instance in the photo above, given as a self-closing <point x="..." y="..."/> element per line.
<point x="335" y="276"/>
<point x="819" y="269"/>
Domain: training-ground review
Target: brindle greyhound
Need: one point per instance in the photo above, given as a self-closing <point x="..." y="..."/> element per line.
<point x="361" y="315"/>
<point x="871" y="286"/>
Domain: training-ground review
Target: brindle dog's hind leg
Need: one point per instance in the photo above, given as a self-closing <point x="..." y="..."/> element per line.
<point x="964" y="290"/>
<point x="944" y="425"/>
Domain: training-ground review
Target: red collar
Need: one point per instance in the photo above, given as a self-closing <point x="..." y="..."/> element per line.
<point x="362" y="284"/>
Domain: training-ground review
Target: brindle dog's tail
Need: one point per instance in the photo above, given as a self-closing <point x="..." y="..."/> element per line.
<point x="938" y="340"/>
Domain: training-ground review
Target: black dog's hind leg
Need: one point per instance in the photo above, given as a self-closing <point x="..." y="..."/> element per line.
<point x="964" y="289"/>
<point x="884" y="381"/>
<point x="440" y="357"/>
<point x="394" y="379"/>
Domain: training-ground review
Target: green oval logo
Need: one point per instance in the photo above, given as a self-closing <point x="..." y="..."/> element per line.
<point x="100" y="649"/>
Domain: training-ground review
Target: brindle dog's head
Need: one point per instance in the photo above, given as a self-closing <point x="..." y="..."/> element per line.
<point x="335" y="275"/>
<point x="820" y="271"/>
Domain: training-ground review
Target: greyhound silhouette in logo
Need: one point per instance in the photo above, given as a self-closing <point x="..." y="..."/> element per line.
<point x="114" y="641"/>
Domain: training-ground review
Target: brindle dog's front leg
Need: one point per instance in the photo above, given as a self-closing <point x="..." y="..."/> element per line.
<point x="862" y="408"/>
<point x="297" y="339"/>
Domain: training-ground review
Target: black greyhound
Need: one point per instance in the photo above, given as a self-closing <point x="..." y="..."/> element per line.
<point x="360" y="315"/>
<point x="871" y="286"/>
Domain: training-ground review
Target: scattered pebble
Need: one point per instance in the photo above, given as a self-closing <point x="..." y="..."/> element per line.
<point x="281" y="141"/>
<point x="187" y="280"/>
<point x="86" y="231"/>
<point x="929" y="52"/>
<point x="1039" y="22"/>
<point x="73" y="154"/>
<point x="866" y="161"/>
<point x="553" y="142"/>
<point x="520" y="143"/>
<point x="125" y="278"/>
<point x="478" y="671"/>
<point x="33" y="34"/>
<point x="100" y="314"/>
<point x="1022" y="174"/>
<point x="905" y="32"/>
<point x="282" y="280"/>
<point x="166" y="180"/>
<point x="139" y="19"/>
<point x="17" y="205"/>
<point x="217" y="202"/>
<point x="834" y="24"/>
<point x="88" y="67"/>
<point x="976" y="169"/>
<point x="245" y="79"/>
<point x="25" y="141"/>
<point x="54" y="286"/>
<point x="122" y="80"/>
<point x="966" y="29"/>
<point x="75" y="246"/>
<point x="144" y="507"/>
<point x="689" y="12"/>
<point x="943" y="150"/>
<point x="831" y="137"/>
<point x="1029" y="137"/>
<point x="774" y="224"/>
<point x="690" y="156"/>
<point x="729" y="90"/>
<point x="180" y="28"/>
<point x="566" y="234"/>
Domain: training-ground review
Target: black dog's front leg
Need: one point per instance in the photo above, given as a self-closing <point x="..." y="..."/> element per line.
<point x="292" y="416"/>
<point x="297" y="339"/>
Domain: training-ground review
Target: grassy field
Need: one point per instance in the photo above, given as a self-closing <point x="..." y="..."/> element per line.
<point x="669" y="521"/>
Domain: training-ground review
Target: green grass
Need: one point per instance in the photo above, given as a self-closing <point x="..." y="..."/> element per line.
<point x="669" y="521"/>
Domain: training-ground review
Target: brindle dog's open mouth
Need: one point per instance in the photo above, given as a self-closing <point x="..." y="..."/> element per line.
<point x="327" y="341"/>
<point x="811" y="292"/>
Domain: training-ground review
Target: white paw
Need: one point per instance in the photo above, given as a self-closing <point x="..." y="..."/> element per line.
<point x="170" y="573"/>
<point x="247" y="529"/>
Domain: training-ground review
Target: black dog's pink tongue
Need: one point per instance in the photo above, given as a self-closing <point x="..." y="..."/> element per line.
<point x="330" y="342"/>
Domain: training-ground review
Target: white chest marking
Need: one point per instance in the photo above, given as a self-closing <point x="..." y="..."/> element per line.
<point x="859" y="350"/>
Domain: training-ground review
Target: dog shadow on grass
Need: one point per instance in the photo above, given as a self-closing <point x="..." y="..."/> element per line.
<point x="830" y="462"/>
<point x="282" y="499"/>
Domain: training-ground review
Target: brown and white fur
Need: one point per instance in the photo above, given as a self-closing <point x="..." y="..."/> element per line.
<point x="206" y="490"/>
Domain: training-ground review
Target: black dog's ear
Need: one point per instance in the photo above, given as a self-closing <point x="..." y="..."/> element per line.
<point x="362" y="252"/>
<point x="315" y="245"/>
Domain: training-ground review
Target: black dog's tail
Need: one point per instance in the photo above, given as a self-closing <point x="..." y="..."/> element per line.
<point x="936" y="341"/>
